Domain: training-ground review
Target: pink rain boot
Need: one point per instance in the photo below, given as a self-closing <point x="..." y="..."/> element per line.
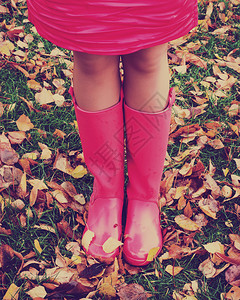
<point x="101" y="134"/>
<point x="147" y="139"/>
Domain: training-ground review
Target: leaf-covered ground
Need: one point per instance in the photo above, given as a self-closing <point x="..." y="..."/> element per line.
<point x="45" y="187"/>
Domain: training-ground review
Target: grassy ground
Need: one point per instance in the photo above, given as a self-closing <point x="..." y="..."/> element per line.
<point x="204" y="68"/>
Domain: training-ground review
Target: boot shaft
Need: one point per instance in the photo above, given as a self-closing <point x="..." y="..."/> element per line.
<point x="147" y="140"/>
<point x="101" y="135"/>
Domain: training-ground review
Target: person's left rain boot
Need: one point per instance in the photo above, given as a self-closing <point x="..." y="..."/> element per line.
<point x="101" y="135"/>
<point x="147" y="140"/>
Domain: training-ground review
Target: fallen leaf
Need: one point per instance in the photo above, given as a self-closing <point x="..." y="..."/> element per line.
<point x="78" y="172"/>
<point x="173" y="270"/>
<point x="16" y="137"/>
<point x="44" y="97"/>
<point x="111" y="245"/>
<point x="186" y="223"/>
<point x="87" y="239"/>
<point x="132" y="291"/>
<point x="210" y="207"/>
<point x="38" y="291"/>
<point x="207" y="268"/>
<point x="37" y="246"/>
<point x="12" y="292"/>
<point x="216" y="144"/>
<point x="233" y="293"/>
<point x="24" y="123"/>
<point x="153" y="253"/>
<point x="107" y="291"/>
<point x="214" y="247"/>
<point x="232" y="275"/>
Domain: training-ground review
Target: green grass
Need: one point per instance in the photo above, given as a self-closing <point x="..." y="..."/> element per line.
<point x="14" y="86"/>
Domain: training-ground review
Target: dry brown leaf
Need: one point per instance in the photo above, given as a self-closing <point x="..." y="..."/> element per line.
<point x="235" y="238"/>
<point x="235" y="181"/>
<point x="211" y="185"/>
<point x="34" y="85"/>
<point x="233" y="294"/>
<point x="16" y="137"/>
<point x="132" y="291"/>
<point x="61" y="275"/>
<point x="188" y="210"/>
<point x="33" y="196"/>
<point x="107" y="291"/>
<point x="59" y="133"/>
<point x="24" y="123"/>
<point x="186" y="223"/>
<point x="200" y="220"/>
<point x="232" y="275"/>
<point x="207" y="268"/>
<point x="216" y="144"/>
<point x="226" y="191"/>
<point x="19" y="204"/>
<point x="61" y="163"/>
<point x="210" y="207"/>
<point x="233" y="110"/>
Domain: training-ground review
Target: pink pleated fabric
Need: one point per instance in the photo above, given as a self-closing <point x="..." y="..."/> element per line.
<point x="112" y="27"/>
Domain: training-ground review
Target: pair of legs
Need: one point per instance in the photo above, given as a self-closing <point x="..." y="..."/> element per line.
<point x="97" y="80"/>
<point x="100" y="118"/>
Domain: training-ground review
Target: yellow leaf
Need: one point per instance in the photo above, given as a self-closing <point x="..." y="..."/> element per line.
<point x="111" y="245"/>
<point x="79" y="172"/>
<point x="186" y="223"/>
<point x="189" y="298"/>
<point x="37" y="246"/>
<point x="173" y="270"/>
<point x="31" y="155"/>
<point x="214" y="247"/>
<point x="225" y="171"/>
<point x="24" y="123"/>
<point x="87" y="238"/>
<point x="12" y="292"/>
<point x="107" y="290"/>
<point x="153" y="253"/>
<point x="76" y="259"/>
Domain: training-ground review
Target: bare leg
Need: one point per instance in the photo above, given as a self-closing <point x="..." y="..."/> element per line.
<point x="146" y="79"/>
<point x="96" y="81"/>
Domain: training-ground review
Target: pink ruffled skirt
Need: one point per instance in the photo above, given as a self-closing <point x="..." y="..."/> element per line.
<point x="112" y="27"/>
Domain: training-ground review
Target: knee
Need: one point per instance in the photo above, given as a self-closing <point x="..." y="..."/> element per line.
<point x="147" y="60"/>
<point x="91" y="64"/>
